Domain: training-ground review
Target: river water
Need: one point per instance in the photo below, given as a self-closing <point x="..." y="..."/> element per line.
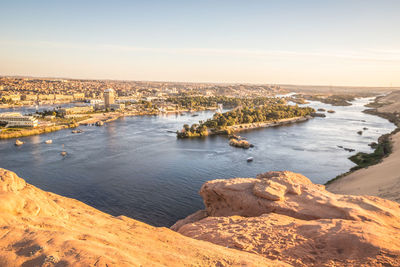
<point x="134" y="167"/>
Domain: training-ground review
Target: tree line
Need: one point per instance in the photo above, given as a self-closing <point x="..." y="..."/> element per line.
<point x="193" y="102"/>
<point x="242" y="115"/>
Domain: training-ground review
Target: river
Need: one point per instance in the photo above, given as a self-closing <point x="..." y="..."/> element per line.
<point x="134" y="167"/>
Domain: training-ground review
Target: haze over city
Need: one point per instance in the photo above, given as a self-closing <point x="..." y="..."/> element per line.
<point x="292" y="42"/>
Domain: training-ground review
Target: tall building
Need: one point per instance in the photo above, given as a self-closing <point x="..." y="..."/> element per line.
<point x="109" y="97"/>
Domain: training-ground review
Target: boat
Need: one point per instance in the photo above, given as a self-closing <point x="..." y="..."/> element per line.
<point x="250" y="159"/>
<point x="18" y="143"/>
<point x="77" y="131"/>
<point x="195" y="115"/>
<point x="99" y="123"/>
<point x="63" y="153"/>
<point x="49" y="141"/>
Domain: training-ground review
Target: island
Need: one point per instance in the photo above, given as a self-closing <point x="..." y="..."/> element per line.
<point x="274" y="113"/>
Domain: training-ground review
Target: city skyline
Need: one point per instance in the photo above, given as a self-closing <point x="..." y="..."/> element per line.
<point x="345" y="43"/>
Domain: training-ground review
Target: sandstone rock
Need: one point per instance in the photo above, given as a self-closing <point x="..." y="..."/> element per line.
<point x="38" y="228"/>
<point x="284" y="216"/>
<point x="197" y="216"/>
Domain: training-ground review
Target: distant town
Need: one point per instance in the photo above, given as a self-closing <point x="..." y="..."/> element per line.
<point x="32" y="91"/>
<point x="70" y="102"/>
<point x="57" y="104"/>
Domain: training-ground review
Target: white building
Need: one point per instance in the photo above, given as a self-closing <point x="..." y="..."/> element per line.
<point x="15" y="119"/>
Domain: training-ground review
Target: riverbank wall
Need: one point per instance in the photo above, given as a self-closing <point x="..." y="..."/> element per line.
<point x="35" y="131"/>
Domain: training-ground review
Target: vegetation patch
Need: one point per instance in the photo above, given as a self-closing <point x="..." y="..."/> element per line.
<point x="220" y="123"/>
<point x="334" y="100"/>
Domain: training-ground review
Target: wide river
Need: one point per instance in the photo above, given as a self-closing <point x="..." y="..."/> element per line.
<point x="134" y="167"/>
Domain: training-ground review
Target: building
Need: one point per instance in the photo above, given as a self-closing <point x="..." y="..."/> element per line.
<point x="79" y="96"/>
<point x="63" y="97"/>
<point x="94" y="102"/>
<point x="15" y="119"/>
<point x="29" y="97"/>
<point x="76" y="110"/>
<point x="12" y="97"/>
<point x="109" y="98"/>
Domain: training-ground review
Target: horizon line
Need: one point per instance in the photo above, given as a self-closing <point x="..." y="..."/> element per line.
<point x="194" y="82"/>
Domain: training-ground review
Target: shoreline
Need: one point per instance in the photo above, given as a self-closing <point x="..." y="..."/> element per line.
<point x="36" y="131"/>
<point x="108" y="117"/>
<point x="249" y="126"/>
<point x="380" y="179"/>
<point x="259" y="125"/>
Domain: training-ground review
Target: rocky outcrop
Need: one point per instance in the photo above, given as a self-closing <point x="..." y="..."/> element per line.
<point x="240" y="143"/>
<point x="38" y="228"/>
<point x="284" y="216"/>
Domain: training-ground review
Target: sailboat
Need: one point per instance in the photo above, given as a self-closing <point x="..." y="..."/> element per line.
<point x="63" y="153"/>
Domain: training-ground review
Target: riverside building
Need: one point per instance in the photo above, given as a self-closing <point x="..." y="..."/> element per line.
<point x="15" y="119"/>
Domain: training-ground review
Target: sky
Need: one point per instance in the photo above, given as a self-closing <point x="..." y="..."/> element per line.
<point x="324" y="42"/>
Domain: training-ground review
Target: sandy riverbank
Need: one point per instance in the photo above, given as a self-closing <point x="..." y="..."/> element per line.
<point x="383" y="179"/>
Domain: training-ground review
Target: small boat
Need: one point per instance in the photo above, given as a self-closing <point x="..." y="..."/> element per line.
<point x="63" y="153"/>
<point x="49" y="141"/>
<point x="195" y="115"/>
<point x="77" y="131"/>
<point x="250" y="159"/>
<point x="18" y="143"/>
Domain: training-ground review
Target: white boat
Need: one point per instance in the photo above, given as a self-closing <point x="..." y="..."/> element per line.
<point x="250" y="159"/>
<point x="18" y="143"/>
<point x="49" y="141"/>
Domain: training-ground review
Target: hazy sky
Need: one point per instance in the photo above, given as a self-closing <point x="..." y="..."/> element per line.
<point x="329" y="42"/>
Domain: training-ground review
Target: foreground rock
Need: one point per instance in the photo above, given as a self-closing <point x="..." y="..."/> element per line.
<point x="284" y="216"/>
<point x="38" y="228"/>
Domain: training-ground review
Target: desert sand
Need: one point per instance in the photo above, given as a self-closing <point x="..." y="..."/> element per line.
<point x="284" y="216"/>
<point x="38" y="228"/>
<point x="383" y="179"/>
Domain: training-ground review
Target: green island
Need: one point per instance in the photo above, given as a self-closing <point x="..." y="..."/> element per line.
<point x="273" y="113"/>
<point x="334" y="100"/>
